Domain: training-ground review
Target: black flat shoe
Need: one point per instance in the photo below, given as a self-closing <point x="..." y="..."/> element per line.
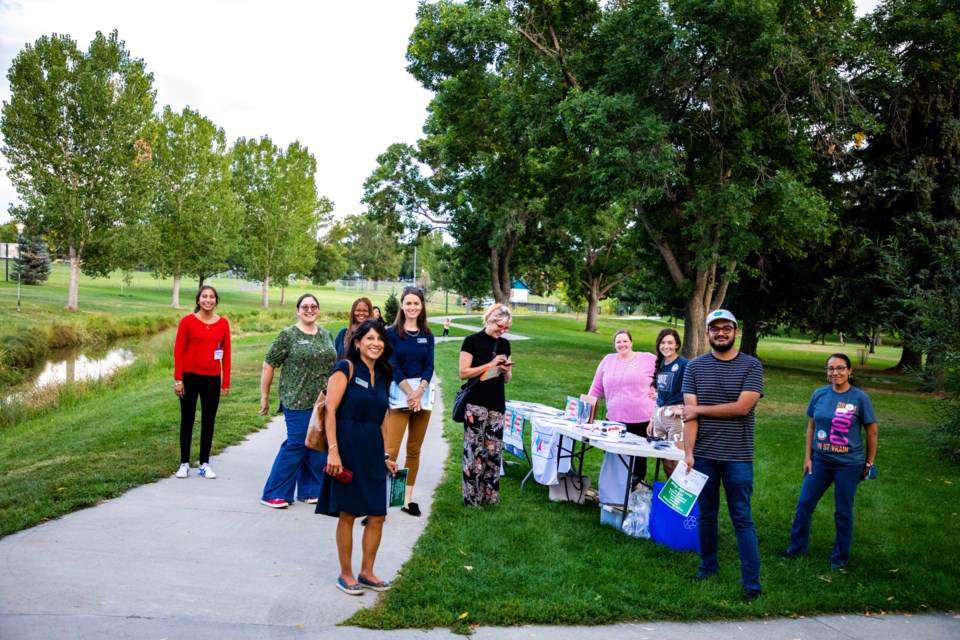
<point x="413" y="509"/>
<point x="363" y="522"/>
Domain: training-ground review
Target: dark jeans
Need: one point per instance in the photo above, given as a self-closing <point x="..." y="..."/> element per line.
<point x="737" y="480"/>
<point x="296" y="467"/>
<point x="639" y="464"/>
<point x="207" y="388"/>
<point x="845" y="479"/>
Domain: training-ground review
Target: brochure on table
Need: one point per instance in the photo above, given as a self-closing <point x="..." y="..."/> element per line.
<point x="681" y="490"/>
<point x="398" y="397"/>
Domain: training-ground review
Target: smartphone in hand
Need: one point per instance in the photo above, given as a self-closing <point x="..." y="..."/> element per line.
<point x="344" y="476"/>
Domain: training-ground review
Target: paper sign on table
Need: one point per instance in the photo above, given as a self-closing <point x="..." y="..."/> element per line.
<point x="681" y="490"/>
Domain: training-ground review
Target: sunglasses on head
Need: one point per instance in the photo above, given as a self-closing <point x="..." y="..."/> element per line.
<point x="412" y="289"/>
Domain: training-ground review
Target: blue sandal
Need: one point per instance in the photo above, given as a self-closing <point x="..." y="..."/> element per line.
<point x="383" y="585"/>
<point x="354" y="590"/>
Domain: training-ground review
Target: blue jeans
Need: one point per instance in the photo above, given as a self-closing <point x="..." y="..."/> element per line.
<point x="296" y="467"/>
<point x="737" y="479"/>
<point x="845" y="479"/>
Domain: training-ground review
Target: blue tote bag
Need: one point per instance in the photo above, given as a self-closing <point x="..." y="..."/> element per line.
<point x="669" y="528"/>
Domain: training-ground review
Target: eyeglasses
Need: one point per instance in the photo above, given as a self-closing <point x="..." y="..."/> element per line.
<point x="839" y="369"/>
<point x="309" y="307"/>
<point x="729" y="328"/>
<point x="503" y="327"/>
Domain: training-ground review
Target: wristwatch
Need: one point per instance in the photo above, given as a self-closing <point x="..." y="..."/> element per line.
<point x="868" y="464"/>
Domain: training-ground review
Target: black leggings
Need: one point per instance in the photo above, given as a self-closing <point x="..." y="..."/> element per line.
<point x="639" y="471"/>
<point x="207" y="388"/>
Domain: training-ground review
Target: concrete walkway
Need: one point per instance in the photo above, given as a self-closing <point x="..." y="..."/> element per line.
<point x="202" y="560"/>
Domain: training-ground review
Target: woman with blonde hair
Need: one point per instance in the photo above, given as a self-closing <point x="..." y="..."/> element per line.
<point x="485" y="355"/>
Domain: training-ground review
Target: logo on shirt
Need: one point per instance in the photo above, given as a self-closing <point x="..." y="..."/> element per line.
<point x="821" y="435"/>
<point x="675" y="367"/>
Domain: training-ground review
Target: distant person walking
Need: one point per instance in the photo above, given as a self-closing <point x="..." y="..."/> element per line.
<point x="357" y="462"/>
<point x="835" y="453"/>
<point x="359" y="311"/>
<point x="201" y="370"/>
<point x="485" y="355"/>
<point x="720" y="390"/>
<point x="412" y="344"/>
<point x="446" y="328"/>
<point x="305" y="355"/>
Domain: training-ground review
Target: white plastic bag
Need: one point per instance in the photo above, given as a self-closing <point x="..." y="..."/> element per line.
<point x="637" y="522"/>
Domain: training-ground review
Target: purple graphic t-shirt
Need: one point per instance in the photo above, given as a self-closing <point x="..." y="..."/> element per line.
<point x="838" y="420"/>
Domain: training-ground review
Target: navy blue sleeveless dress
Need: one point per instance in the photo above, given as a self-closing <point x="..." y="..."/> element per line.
<point x="360" y="443"/>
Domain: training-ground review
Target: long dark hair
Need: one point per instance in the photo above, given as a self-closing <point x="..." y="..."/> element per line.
<point x="401" y="316"/>
<point x="663" y="334"/>
<point x="200" y="291"/>
<point x="382" y="367"/>
<point x="351" y="325"/>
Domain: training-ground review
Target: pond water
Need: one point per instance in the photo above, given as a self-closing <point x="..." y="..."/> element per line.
<point x="68" y="368"/>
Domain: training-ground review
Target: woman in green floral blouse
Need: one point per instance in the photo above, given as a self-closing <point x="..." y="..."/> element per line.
<point x="306" y="356"/>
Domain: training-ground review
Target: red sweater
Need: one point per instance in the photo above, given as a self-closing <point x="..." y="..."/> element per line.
<point x="196" y="342"/>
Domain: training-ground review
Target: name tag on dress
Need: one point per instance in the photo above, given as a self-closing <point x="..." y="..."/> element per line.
<point x="303" y="342"/>
<point x="362" y="383"/>
<point x="218" y="354"/>
<point x="421" y="341"/>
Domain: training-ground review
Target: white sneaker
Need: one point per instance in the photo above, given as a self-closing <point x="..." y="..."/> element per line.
<point x="206" y="471"/>
<point x="184" y="470"/>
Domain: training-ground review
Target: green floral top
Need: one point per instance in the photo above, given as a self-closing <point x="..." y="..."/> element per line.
<point x="306" y="362"/>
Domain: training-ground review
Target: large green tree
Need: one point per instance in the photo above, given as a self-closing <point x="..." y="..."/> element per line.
<point x="72" y="134"/>
<point x="195" y="217"/>
<point x="281" y="212"/>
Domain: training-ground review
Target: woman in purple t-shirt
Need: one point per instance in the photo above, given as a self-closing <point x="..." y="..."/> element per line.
<point x="625" y="379"/>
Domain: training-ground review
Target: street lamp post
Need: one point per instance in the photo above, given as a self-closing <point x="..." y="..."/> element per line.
<point x="20" y="228"/>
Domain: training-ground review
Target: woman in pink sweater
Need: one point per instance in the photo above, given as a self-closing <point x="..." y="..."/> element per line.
<point x="625" y="379"/>
<point x="201" y="369"/>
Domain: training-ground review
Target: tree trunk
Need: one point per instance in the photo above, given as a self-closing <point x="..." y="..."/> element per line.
<point x="175" y="302"/>
<point x="500" y="274"/>
<point x="72" y="295"/>
<point x="265" y="297"/>
<point x="694" y="336"/>
<point x="749" y="340"/>
<point x="283" y="294"/>
<point x="593" y="301"/>
<point x="910" y="359"/>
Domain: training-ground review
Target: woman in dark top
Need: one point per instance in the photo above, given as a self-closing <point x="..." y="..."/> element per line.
<point x="359" y="311"/>
<point x="670" y="367"/>
<point x="412" y="363"/>
<point x="485" y="355"/>
<point x="356" y="404"/>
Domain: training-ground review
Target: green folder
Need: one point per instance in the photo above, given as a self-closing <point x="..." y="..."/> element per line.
<point x="398" y="488"/>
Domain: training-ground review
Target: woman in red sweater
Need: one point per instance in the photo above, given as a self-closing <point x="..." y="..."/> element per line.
<point x="201" y="369"/>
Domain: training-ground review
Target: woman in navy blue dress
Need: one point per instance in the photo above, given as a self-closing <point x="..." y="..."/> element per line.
<point x="356" y="404"/>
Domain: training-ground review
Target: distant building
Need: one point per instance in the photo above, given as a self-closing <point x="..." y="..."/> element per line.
<point x="519" y="291"/>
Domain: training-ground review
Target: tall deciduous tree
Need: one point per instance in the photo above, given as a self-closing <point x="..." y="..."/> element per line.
<point x="73" y="136"/>
<point x="281" y="213"/>
<point x="195" y="217"/>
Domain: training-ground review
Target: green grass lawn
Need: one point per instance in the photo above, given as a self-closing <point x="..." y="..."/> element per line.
<point x="532" y="561"/>
<point x="529" y="560"/>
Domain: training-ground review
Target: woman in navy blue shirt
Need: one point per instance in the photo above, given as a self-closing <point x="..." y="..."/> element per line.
<point x="412" y="362"/>
<point x="835" y="453"/>
<point x="671" y="366"/>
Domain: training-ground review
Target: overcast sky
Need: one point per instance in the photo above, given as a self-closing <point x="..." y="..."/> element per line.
<point x="329" y="73"/>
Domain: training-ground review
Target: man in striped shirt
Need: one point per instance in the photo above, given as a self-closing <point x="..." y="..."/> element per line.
<point x="720" y="391"/>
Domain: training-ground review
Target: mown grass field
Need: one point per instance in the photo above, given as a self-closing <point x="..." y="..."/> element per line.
<point x="529" y="560"/>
